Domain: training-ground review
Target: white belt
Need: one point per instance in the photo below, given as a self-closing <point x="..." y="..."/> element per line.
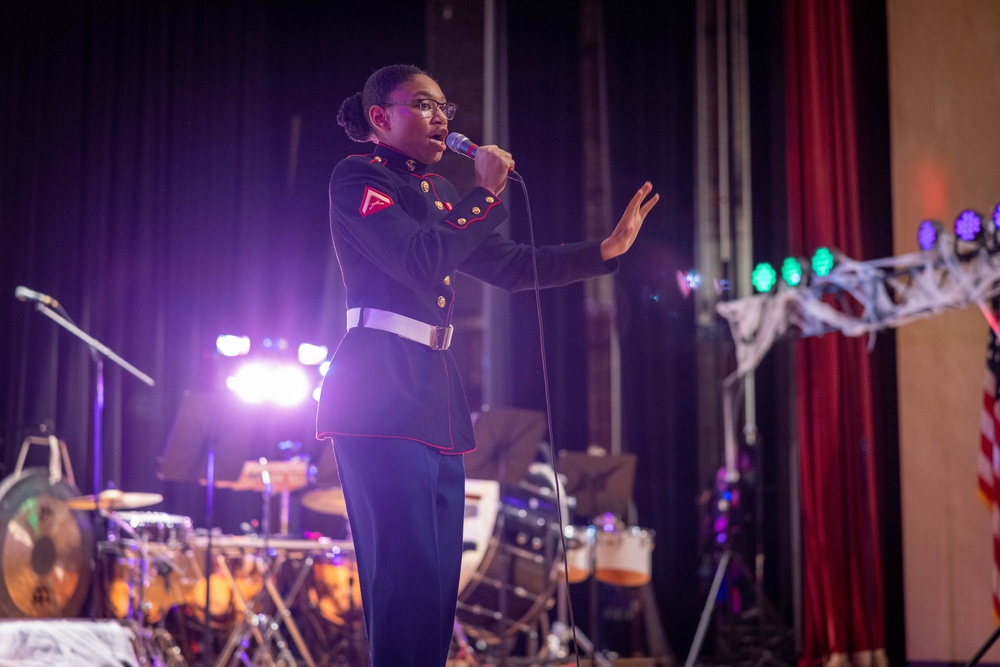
<point x="436" y="338"/>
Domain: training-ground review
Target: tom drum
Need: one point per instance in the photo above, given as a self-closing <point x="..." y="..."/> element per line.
<point x="623" y="557"/>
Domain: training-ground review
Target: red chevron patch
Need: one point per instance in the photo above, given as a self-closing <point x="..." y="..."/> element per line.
<point x="373" y="201"/>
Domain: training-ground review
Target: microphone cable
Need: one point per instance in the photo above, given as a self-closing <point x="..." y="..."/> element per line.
<point x="548" y="417"/>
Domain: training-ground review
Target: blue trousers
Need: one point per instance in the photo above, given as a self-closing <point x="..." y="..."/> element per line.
<point x="406" y="505"/>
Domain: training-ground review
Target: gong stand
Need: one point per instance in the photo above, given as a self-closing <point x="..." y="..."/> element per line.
<point x="43" y="543"/>
<point x="98" y="351"/>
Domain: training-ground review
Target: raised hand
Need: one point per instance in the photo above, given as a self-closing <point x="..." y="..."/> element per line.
<point x="628" y="227"/>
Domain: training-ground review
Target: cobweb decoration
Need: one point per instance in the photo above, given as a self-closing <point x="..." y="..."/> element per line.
<point x="859" y="298"/>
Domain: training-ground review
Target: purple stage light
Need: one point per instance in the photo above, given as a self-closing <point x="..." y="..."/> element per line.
<point x="927" y="234"/>
<point x="968" y="225"/>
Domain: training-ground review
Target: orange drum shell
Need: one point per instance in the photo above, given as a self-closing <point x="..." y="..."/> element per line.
<point x="579" y="553"/>
<point x="164" y="588"/>
<point x="624" y="557"/>
<point x="336" y="590"/>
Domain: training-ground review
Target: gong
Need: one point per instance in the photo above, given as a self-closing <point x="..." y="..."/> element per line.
<point x="45" y="548"/>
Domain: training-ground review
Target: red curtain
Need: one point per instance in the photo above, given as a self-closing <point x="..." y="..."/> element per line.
<point x="842" y="587"/>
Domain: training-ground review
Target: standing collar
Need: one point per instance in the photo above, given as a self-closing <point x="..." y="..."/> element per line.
<point x="397" y="160"/>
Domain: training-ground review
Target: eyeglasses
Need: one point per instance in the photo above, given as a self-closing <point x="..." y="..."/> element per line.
<point x="427" y="107"/>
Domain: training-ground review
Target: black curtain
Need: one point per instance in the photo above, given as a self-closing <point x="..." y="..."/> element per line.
<point x="650" y="52"/>
<point x="650" y="75"/>
<point x="164" y="172"/>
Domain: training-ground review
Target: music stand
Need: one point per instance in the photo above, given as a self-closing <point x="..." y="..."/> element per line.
<point x="212" y="435"/>
<point x="507" y="441"/>
<point x="599" y="483"/>
<point x="270" y="476"/>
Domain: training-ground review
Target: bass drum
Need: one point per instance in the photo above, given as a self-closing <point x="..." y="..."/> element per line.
<point x="46" y="549"/>
<point x="515" y="580"/>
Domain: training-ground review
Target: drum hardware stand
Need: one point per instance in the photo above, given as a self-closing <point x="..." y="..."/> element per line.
<point x="601" y="484"/>
<point x="209" y="438"/>
<point x="253" y="620"/>
<point x="151" y="644"/>
<point x="465" y="651"/>
<point x="732" y="476"/>
<point x="561" y="633"/>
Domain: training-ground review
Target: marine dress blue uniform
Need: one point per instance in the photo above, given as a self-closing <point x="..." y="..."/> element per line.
<point x="392" y="399"/>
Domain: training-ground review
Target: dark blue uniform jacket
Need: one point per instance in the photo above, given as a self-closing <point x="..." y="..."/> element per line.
<point x="401" y="233"/>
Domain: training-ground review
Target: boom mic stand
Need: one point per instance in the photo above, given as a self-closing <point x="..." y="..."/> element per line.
<point x="45" y="304"/>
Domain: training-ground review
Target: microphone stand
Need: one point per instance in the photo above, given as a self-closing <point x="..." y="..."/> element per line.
<point x="97" y="350"/>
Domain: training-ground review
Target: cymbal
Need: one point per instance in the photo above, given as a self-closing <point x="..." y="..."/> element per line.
<point x="114" y="499"/>
<point x="326" y="501"/>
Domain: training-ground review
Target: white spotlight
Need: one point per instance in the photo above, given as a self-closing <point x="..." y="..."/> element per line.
<point x="312" y="355"/>
<point x="232" y="346"/>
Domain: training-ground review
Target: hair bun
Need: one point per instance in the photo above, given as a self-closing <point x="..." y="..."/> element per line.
<point x="351" y="116"/>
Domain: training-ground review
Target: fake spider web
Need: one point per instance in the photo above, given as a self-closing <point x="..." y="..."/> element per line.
<point x="858" y="298"/>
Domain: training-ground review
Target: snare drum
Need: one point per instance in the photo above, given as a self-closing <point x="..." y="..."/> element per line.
<point x="624" y="557"/>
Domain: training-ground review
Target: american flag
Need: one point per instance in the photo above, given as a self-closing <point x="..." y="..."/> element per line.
<point x="989" y="456"/>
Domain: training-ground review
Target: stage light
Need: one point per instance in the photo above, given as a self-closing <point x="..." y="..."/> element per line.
<point x="764" y="277"/>
<point x="823" y="262"/>
<point x="291" y="386"/>
<point x="928" y="234"/>
<point x="232" y="346"/>
<point x="275" y="344"/>
<point x="792" y="271"/>
<point x="312" y="355"/>
<point x="688" y="282"/>
<point x="994" y="240"/>
<point x="250" y="382"/>
<point x="969" y="226"/>
<point x="259" y="382"/>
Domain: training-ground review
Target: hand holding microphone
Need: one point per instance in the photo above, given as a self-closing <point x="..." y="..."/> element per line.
<point x="493" y="164"/>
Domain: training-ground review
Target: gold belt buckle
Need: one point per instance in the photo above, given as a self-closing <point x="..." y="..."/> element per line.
<point x="441" y="337"/>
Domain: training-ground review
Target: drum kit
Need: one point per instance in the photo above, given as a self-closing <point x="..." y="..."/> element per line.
<point x="190" y="596"/>
<point x="265" y="600"/>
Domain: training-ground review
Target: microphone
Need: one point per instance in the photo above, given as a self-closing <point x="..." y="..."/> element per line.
<point x="22" y="293"/>
<point x="463" y="145"/>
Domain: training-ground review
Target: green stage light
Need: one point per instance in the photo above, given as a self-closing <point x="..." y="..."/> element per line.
<point x="822" y="262"/>
<point x="764" y="277"/>
<point x="791" y="271"/>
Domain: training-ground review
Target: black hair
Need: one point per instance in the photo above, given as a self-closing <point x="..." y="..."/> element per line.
<point x="353" y="112"/>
